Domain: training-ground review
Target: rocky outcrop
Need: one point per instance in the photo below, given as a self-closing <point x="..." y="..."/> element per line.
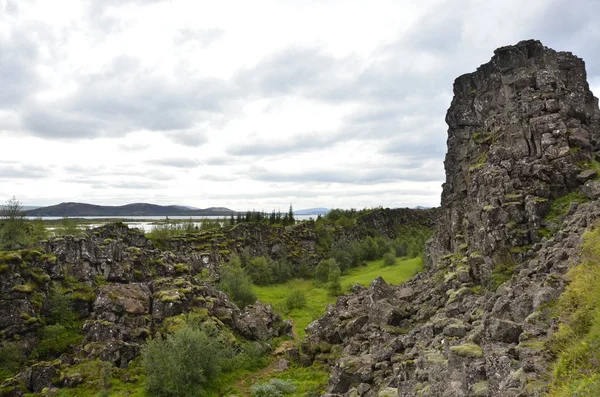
<point x="123" y="291"/>
<point x="523" y="131"/>
<point x="522" y="141"/>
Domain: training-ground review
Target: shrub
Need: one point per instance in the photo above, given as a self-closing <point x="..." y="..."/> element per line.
<point x="323" y="270"/>
<point x="56" y="340"/>
<point x="236" y="283"/>
<point x="11" y="359"/>
<point x="295" y="300"/>
<point x="273" y="388"/>
<point x="183" y="363"/>
<point x="389" y="259"/>
<point x="334" y="286"/>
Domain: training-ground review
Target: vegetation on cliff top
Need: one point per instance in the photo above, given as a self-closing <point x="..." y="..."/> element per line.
<point x="576" y="344"/>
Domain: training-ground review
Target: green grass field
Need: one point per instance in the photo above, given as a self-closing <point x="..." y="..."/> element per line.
<point x="317" y="298"/>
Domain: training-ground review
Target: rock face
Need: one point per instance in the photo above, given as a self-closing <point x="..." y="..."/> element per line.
<point x="523" y="131"/>
<point x="520" y="173"/>
<point x="123" y="291"/>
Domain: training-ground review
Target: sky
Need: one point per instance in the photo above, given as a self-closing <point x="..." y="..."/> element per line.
<point x="250" y="104"/>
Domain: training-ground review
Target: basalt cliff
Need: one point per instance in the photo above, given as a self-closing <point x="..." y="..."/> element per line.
<point x="521" y="189"/>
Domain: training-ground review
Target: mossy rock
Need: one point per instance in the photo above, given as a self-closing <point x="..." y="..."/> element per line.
<point x="470" y="350"/>
<point x="25" y="288"/>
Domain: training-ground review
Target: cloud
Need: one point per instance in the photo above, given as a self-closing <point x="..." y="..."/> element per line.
<point x="198" y="37"/>
<point x="295" y="144"/>
<point x="126" y="97"/>
<point x="18" y="60"/>
<point x="350" y="176"/>
<point x="23" y="171"/>
<point x="175" y="162"/>
<point x="189" y="138"/>
<point x="291" y="70"/>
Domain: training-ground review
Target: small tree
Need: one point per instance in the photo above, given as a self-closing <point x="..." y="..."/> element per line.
<point x="389" y="259"/>
<point x="236" y="283"/>
<point x="295" y="300"/>
<point x="13" y="232"/>
<point x="291" y="219"/>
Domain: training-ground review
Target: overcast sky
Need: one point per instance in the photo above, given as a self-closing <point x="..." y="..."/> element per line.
<point x="250" y="104"/>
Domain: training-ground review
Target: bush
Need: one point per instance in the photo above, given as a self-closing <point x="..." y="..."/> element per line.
<point x="295" y="300"/>
<point x="236" y="283"/>
<point x="259" y="271"/>
<point x="273" y="388"/>
<point x="11" y="359"/>
<point x="56" y="340"/>
<point x="323" y="270"/>
<point x="389" y="259"/>
<point x="185" y="362"/>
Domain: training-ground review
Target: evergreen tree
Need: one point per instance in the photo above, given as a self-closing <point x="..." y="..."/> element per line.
<point x="291" y="216"/>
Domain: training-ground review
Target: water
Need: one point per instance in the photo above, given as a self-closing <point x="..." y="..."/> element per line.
<point x="146" y="223"/>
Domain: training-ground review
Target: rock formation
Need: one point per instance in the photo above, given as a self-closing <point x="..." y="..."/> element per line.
<point x="123" y="290"/>
<point x="524" y="131"/>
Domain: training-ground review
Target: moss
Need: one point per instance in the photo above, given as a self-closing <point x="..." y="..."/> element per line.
<point x="488" y="208"/>
<point x="3" y="267"/>
<point x="29" y="319"/>
<point x="483" y="138"/>
<point x="182" y="268"/>
<point x="435" y="357"/>
<point x="12" y="258"/>
<point x="480" y="389"/>
<point x="453" y="295"/>
<point x="481" y="161"/>
<point x="520" y="249"/>
<point x="468" y="350"/>
<point x="561" y="205"/>
<point x="25" y="288"/>
<point x="37" y="275"/>
<point x="168" y="296"/>
<point x="502" y="273"/>
<point x="544" y="233"/>
<point x="37" y="299"/>
<point x="513" y="197"/>
<point x="477" y="290"/>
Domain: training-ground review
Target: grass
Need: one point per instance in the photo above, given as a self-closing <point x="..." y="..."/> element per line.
<point x="561" y="205"/>
<point x="576" y="343"/>
<point x="317" y="297"/>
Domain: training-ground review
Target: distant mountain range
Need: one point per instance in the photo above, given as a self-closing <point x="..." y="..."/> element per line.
<point x="137" y="209"/>
<point x="312" y="211"/>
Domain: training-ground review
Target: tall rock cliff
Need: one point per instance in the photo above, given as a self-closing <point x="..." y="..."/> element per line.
<point x="522" y="132"/>
<point x="520" y="190"/>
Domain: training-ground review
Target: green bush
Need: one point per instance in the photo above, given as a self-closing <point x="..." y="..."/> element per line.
<point x="56" y="340"/>
<point x="236" y="283"/>
<point x="295" y="300"/>
<point x="184" y="363"/>
<point x="389" y="259"/>
<point x="11" y="359"/>
<point x="323" y="270"/>
<point x="273" y="388"/>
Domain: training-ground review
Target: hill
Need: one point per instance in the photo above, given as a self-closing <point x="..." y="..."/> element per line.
<point x="136" y="209"/>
